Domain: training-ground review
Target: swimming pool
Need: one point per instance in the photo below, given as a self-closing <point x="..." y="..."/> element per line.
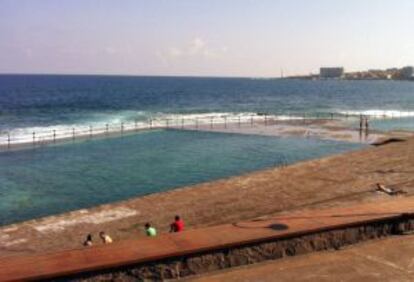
<point x="59" y="178"/>
<point x="405" y="123"/>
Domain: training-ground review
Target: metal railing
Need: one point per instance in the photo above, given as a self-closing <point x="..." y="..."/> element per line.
<point x="53" y="135"/>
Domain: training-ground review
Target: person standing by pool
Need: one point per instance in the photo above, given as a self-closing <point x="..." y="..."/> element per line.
<point x="366" y="124"/>
<point x="177" y="225"/>
<point x="88" y="241"/>
<point x="150" y="230"/>
<point x="106" y="239"/>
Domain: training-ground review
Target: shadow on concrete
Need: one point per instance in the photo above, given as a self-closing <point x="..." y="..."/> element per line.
<point x="273" y="226"/>
<point x="278" y="226"/>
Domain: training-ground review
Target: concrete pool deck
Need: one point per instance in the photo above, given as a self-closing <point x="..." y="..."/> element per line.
<point x="327" y="129"/>
<point x="192" y="242"/>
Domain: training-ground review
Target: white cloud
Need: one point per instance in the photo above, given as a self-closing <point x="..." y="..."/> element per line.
<point x="195" y="48"/>
<point x="175" y="52"/>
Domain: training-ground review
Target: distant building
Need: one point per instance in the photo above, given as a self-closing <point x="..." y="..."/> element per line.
<point x="331" y="72"/>
<point x="407" y="73"/>
<point x="392" y="70"/>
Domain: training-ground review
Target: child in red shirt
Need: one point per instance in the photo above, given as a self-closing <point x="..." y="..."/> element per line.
<point x="177" y="225"/>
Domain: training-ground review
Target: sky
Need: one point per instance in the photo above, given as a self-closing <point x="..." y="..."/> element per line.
<point x="253" y="38"/>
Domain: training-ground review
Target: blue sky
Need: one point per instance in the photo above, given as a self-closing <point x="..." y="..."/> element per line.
<point x="203" y="38"/>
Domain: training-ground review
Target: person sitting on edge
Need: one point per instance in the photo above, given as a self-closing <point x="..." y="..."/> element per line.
<point x="106" y="239"/>
<point x="150" y="230"/>
<point x="88" y="241"/>
<point x="177" y="225"/>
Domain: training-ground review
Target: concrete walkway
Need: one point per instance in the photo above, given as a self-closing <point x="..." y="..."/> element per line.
<point x="390" y="259"/>
<point x="198" y="240"/>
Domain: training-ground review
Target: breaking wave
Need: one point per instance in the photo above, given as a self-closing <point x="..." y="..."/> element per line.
<point x="380" y="113"/>
<point x="102" y="123"/>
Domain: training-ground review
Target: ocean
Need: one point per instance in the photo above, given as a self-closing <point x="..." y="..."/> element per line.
<point x="65" y="176"/>
<point x="31" y="103"/>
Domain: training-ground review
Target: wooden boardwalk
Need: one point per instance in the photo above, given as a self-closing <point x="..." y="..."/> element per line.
<point x="197" y="240"/>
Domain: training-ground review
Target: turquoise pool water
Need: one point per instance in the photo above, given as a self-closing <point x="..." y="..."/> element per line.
<point x="405" y="123"/>
<point x="60" y="178"/>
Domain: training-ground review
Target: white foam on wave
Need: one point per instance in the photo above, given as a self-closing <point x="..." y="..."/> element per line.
<point x="221" y="116"/>
<point x="47" y="133"/>
<point x="380" y="113"/>
<point x="217" y="116"/>
<point x="96" y="123"/>
<point x="101" y="123"/>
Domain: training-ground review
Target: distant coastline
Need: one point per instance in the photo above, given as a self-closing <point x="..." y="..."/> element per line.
<point x="398" y="74"/>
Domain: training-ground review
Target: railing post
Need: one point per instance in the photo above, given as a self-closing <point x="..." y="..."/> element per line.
<point x="239" y="122"/>
<point x="225" y="122"/>
<point x="196" y="120"/>
<point x="167" y="123"/>
<point x="150" y="123"/>
<point x="332" y="116"/>
<point x="54" y="136"/>
<point x="182" y="123"/>
<point x="8" y="140"/>
<point x="251" y="121"/>
<point x="106" y="129"/>
<point x="34" y="137"/>
<point x="73" y="133"/>
<point x="122" y="128"/>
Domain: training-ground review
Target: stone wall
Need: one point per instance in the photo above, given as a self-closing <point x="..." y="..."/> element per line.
<point x="200" y="263"/>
